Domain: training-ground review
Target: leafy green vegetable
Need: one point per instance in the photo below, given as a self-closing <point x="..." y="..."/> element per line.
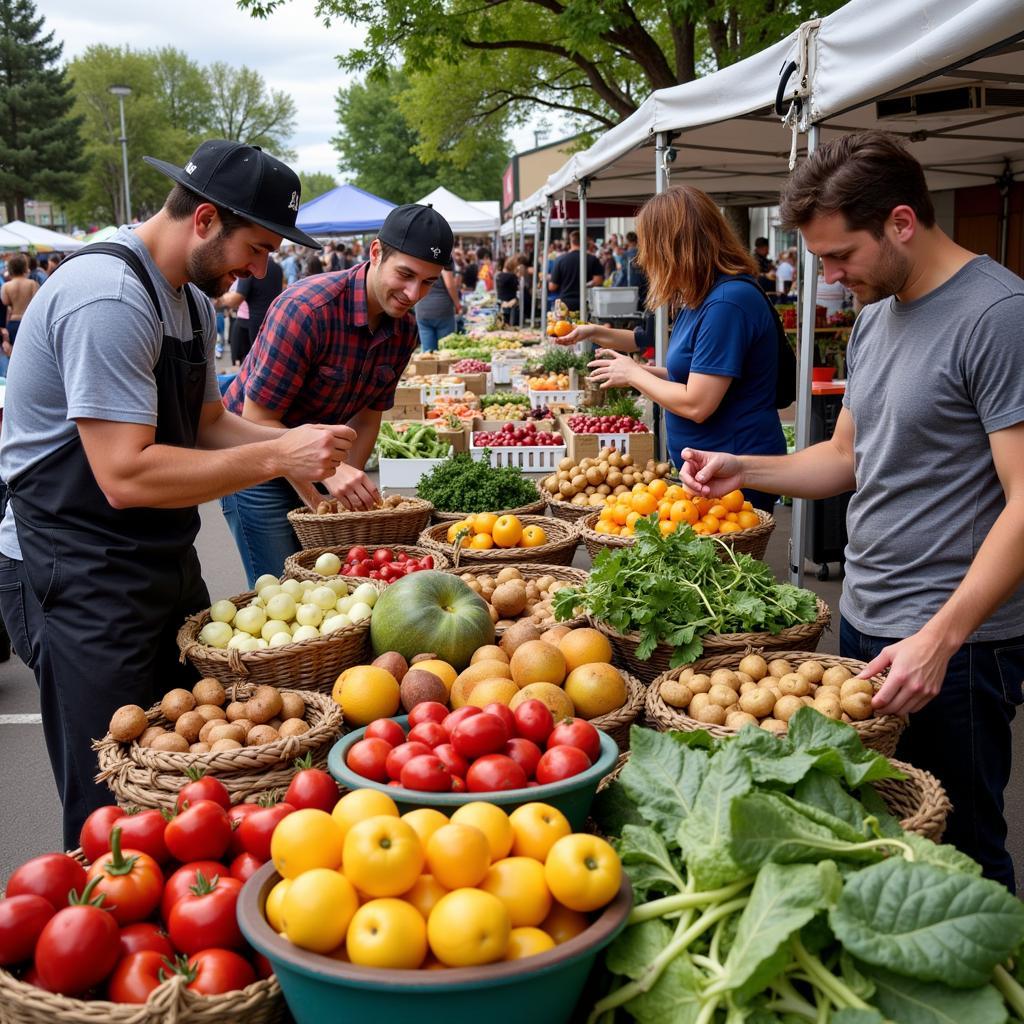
<point x="418" y="442"/>
<point x="623" y="405"/>
<point x="910" y="1001"/>
<point x="463" y="484"/>
<point x="675" y="589"/>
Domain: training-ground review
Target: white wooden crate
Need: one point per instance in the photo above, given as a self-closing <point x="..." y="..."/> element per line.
<point x="532" y="459"/>
<point x="573" y="398"/>
<point x="430" y="392"/>
<point x="406" y="472"/>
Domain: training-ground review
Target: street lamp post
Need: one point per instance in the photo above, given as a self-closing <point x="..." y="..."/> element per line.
<point x="120" y="91"/>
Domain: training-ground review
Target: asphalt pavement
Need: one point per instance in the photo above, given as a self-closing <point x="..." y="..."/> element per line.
<point x="30" y="811"/>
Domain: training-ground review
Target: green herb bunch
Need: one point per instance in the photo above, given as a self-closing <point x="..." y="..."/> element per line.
<point x="773" y="886"/>
<point x="559" y="360"/>
<point x="675" y="589"/>
<point x="620" y="406"/>
<point x="464" y="484"/>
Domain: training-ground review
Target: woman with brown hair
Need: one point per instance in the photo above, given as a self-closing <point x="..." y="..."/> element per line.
<point x="718" y="383"/>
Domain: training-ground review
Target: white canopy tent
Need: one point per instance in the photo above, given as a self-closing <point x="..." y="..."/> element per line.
<point x="464" y="217"/>
<point x="947" y="75"/>
<point x="42" y="238"/>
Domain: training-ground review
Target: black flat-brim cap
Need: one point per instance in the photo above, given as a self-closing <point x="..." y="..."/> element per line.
<point x="419" y="231"/>
<point x="248" y="182"/>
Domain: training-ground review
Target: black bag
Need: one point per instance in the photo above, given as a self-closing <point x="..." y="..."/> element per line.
<point x="785" y="377"/>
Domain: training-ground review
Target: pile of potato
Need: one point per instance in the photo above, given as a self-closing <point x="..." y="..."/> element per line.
<point x="203" y="721"/>
<point x="328" y="506"/>
<point x="511" y="599"/>
<point x="768" y="693"/>
<point x="591" y="480"/>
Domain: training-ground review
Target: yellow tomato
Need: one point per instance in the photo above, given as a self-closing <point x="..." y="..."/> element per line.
<point x="563" y="924"/>
<point x="519" y="883"/>
<point x="317" y="908"/>
<point x="666" y="526"/>
<point x="633" y="518"/>
<point x="458" y="855"/>
<point x="535" y="829"/>
<point x="424" y="894"/>
<point x="711" y="522"/>
<point x="360" y="804"/>
<point x="304" y="840"/>
<point x="383" y="856"/>
<point x="674" y="492"/>
<point x="747" y="519"/>
<point x="620" y="514"/>
<point x="426" y="821"/>
<point x="507" y="532"/>
<point x="644" y="503"/>
<point x="454" y="529"/>
<point x="533" y="536"/>
<point x="639" y="488"/>
<point x="481" y="541"/>
<point x="272" y="908"/>
<point x="602" y="526"/>
<point x="524" y="942"/>
<point x="733" y="501"/>
<point x="719" y="511"/>
<point x="492" y="821"/>
<point x="468" y="927"/>
<point x="483" y="522"/>
<point x="583" y="871"/>
<point x="658" y="488"/>
<point x="664" y="509"/>
<point x="728" y="527"/>
<point x="387" y="933"/>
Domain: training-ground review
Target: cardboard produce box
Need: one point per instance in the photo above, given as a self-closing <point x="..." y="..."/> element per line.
<point x="408" y="394"/>
<point x="404" y="410"/>
<point x="422" y="364"/>
<point x="458" y="438"/>
<point x="475" y="382"/>
<point x="587" y="446"/>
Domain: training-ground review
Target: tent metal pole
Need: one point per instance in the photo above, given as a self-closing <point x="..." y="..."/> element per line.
<point x="805" y="361"/>
<point x="536" y="257"/>
<point x="661" y="313"/>
<point x="544" y="265"/>
<point x="582" y="192"/>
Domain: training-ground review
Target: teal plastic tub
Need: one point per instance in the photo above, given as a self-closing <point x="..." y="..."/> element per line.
<point x="542" y="989"/>
<point x="572" y="797"/>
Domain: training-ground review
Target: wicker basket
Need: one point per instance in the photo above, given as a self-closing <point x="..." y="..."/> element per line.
<point x="753" y="542"/>
<point x="307" y="665"/>
<point x="533" y="571"/>
<point x="559" y="549"/>
<point x="569" y="512"/>
<point x="142" y="777"/>
<point x="919" y="800"/>
<point x="299" y="566"/>
<point x="400" y="525"/>
<point x="802" y="637"/>
<point x="534" y="508"/>
<point x="881" y="734"/>
<point x="617" y="723"/>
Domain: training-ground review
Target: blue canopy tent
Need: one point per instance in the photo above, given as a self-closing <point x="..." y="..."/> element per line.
<point x="345" y="210"/>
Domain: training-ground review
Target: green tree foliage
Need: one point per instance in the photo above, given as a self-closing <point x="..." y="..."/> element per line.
<point x="186" y="90"/>
<point x="40" y="144"/>
<point x="315" y="184"/>
<point x="381" y="150"/>
<point x="243" y="109"/>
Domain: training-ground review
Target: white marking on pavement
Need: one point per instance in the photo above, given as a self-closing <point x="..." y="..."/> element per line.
<point x="21" y="719"/>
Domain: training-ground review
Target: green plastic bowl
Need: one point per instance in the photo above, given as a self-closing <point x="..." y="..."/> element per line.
<point x="542" y="989"/>
<point x="572" y="797"/>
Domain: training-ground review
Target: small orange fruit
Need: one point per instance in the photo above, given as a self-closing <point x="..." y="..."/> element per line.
<point x="747" y="520"/>
<point x="733" y="501"/>
<point x="533" y="536"/>
<point x="658" y="488"/>
<point x="481" y="541"/>
<point x="507" y="531"/>
<point x="667" y="526"/>
<point x="483" y="522"/>
<point x="711" y="522"/>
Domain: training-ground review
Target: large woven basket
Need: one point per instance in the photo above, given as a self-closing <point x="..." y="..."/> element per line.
<point x="802" y="637"/>
<point x="617" y="723"/>
<point x="753" y="542"/>
<point x="400" y="525"/>
<point x="300" y="565"/>
<point x="533" y="508"/>
<point x="569" y="512"/>
<point x="881" y="733"/>
<point x="559" y="549"/>
<point x="306" y="665"/>
<point x="533" y="571"/>
<point x="919" y="800"/>
<point x="142" y="777"/>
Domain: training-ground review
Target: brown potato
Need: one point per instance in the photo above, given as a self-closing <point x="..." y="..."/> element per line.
<point x="235" y="710"/>
<point x="779" y="667"/>
<point x="199" y="748"/>
<point x="699" y="683"/>
<point x="812" y="670"/>
<point x="146" y="739"/>
<point x="293" y="727"/>
<point x="722" y="695"/>
<point x="189" y="725"/>
<point x="795" y="684"/>
<point x="292" y="706"/>
<point x="176" y="703"/>
<point x="738" y="719"/>
<point x="225" y="744"/>
<point x="836" y="675"/>
<point x="244" y="724"/>
<point x="211" y="712"/>
<point x="851" y="686"/>
<point x="685" y="675"/>
<point x="725" y="677"/>
<point x="225" y="731"/>
<point x="754" y="666"/>
<point x="507" y="574"/>
<point x="170" y="741"/>
<point x="711" y="714"/>
<point x="747" y="686"/>
<point x="675" y="693"/>
<point x="857" y="705"/>
<point x="829" y="706"/>
<point x="758" y="702"/>
<point x="697" y="704"/>
<point x="786" y="707"/>
<point x="260" y="734"/>
<point x="744" y="678"/>
<point x="773" y="725"/>
<point x="209" y="691"/>
<point x="128" y="723"/>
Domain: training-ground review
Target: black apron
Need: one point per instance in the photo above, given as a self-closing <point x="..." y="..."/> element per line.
<point x="136" y="566"/>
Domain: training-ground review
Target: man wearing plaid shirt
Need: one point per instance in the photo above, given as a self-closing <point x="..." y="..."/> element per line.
<point x="331" y="350"/>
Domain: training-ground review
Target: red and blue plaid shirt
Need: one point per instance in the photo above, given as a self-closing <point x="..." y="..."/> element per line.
<point x="316" y="359"/>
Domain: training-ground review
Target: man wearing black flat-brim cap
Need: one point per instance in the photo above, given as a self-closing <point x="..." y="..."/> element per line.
<point x="334" y="345"/>
<point x="114" y="433"/>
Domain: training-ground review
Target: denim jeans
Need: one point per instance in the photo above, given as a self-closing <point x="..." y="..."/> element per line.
<point x="258" y="520"/>
<point x="432" y="329"/>
<point x="963" y="738"/>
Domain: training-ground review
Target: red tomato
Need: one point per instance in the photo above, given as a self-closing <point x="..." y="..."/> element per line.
<point x="534" y="721"/>
<point x="427" y="773"/>
<point x="135" y="976"/>
<point x="494" y="772"/>
<point x="428" y="711"/>
<point x="244" y="866"/>
<point x="94" y="839"/>
<point x="184" y="878"/>
<point x="374" y="575"/>
<point x="52" y="875"/>
<point x="144" y="935"/>
<point x="388" y="730"/>
<point x="504" y="712"/>
<point x="356" y="570"/>
<point x="77" y="948"/>
<point x="401" y="556"/>
<point x="525" y="753"/>
<point x="311" y="787"/>
<point x="202" y="832"/>
<point x="575" y="732"/>
<point x="203" y="787"/>
<point x="478" y="735"/>
<point x="452" y="720"/>
<point x="389" y="572"/>
<point x="561" y="762"/>
<point x="356" y="554"/>
<point x="236" y="815"/>
<point x="431" y="733"/>
<point x="427" y="562"/>
<point x="455" y="763"/>
<point x="22" y="919"/>
<point x="205" y="916"/>
<point x="401" y="755"/>
<point x="458" y="784"/>
<point x="383" y="556"/>
<point x="213" y="971"/>
<point x="130" y="881"/>
<point x="256" y="829"/>
<point x="368" y="757"/>
<point x="144" y="830"/>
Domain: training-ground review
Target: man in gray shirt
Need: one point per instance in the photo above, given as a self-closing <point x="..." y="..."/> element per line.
<point x="114" y="432"/>
<point x="931" y="439"/>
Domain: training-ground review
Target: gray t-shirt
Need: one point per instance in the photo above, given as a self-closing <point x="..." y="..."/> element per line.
<point x="929" y="380"/>
<point x="87" y="348"/>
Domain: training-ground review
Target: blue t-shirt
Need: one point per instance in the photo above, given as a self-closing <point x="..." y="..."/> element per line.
<point x="731" y="333"/>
